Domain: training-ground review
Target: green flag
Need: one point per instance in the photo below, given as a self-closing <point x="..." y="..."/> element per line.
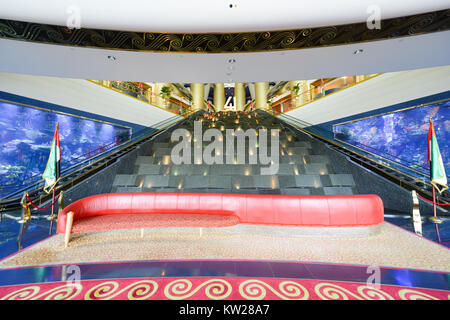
<point x="52" y="170"/>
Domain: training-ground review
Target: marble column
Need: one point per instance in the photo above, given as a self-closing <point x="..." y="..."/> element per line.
<point x="198" y="96"/>
<point x="219" y="96"/>
<point x="261" y="89"/>
<point x="239" y="93"/>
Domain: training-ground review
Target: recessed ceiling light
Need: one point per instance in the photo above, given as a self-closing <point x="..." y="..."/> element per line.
<point x="112" y="58"/>
<point x="358" y="51"/>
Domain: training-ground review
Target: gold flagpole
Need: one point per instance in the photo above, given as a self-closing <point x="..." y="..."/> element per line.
<point x="434" y="219"/>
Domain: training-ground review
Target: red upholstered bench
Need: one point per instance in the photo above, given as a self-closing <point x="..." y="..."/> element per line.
<point x="142" y="210"/>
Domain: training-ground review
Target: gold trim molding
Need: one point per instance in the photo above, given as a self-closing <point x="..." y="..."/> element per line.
<point x="226" y="42"/>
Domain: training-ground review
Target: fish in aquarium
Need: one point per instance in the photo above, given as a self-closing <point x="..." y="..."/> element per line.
<point x="25" y="144"/>
<point x="399" y="129"/>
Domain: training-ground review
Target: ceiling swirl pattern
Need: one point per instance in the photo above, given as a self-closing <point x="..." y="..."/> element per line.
<point x="226" y="42"/>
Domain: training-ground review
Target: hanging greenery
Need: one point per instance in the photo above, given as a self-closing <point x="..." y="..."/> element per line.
<point x="296" y="88"/>
<point x="165" y="92"/>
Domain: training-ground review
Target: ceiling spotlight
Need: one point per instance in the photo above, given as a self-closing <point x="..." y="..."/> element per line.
<point x="112" y="58"/>
<point x="358" y="51"/>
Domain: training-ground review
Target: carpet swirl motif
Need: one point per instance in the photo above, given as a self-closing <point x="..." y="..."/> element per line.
<point x="201" y="288"/>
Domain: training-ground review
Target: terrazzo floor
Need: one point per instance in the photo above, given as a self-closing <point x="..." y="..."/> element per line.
<point x="392" y="247"/>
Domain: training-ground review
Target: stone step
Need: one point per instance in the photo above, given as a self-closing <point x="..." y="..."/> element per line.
<point x="315" y="168"/>
<point x="127" y="189"/>
<point x="300" y="171"/>
<point x="124" y="180"/>
<point x="201" y="182"/>
<point x="153" y="181"/>
<point x="158" y="145"/>
<point x="161" y="152"/>
<point x="317" y="159"/>
<point x="297" y="151"/>
<point x="319" y="191"/>
<point x="329" y="191"/>
<point x="342" y="180"/>
<point x="293" y="159"/>
<point x="150" y="169"/>
<point x="296" y="191"/>
<point x="300" y="144"/>
<point x="144" y="160"/>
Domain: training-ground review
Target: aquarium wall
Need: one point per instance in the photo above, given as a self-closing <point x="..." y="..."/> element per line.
<point x="401" y="135"/>
<point x="26" y="133"/>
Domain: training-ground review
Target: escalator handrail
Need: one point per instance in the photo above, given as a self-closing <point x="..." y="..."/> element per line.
<point x="350" y="152"/>
<point x="131" y="144"/>
<point x="365" y="151"/>
<point x="400" y="161"/>
<point x="38" y="177"/>
<point x="34" y="177"/>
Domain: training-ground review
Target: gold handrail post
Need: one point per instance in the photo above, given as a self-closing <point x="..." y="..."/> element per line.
<point x="61" y="204"/>
<point x="26" y="212"/>
<point x="61" y="207"/>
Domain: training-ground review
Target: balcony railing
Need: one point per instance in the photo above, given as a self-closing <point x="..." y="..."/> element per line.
<point x="144" y="93"/>
<point x="298" y="99"/>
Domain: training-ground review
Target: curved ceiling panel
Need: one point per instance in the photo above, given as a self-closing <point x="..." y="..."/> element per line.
<point x="201" y="16"/>
<point x="420" y="51"/>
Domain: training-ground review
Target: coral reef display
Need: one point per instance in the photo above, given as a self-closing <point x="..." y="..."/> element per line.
<point x="26" y="134"/>
<point x="401" y="136"/>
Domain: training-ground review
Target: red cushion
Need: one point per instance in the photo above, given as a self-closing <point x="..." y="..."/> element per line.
<point x="356" y="210"/>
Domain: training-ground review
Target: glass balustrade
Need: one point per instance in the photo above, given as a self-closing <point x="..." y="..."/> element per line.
<point x="293" y="99"/>
<point x="146" y="93"/>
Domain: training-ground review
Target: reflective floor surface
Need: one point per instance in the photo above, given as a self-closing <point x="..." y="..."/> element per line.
<point x="235" y="274"/>
<point x="15" y="236"/>
<point x="226" y="268"/>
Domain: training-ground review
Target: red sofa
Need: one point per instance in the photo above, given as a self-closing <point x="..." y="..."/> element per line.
<point x="326" y="211"/>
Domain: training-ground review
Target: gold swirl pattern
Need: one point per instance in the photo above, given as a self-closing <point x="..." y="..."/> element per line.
<point x="409" y="294"/>
<point x="216" y="289"/>
<point x="64" y="292"/>
<point x="372" y="293"/>
<point x="254" y="289"/>
<point x="139" y="290"/>
<point x="23" y="294"/>
<point x="226" y="42"/>
<point x="329" y="291"/>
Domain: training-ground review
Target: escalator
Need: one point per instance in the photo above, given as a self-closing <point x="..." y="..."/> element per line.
<point x="333" y="168"/>
<point x="408" y="175"/>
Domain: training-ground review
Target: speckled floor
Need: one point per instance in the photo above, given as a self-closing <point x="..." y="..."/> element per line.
<point x="392" y="247"/>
